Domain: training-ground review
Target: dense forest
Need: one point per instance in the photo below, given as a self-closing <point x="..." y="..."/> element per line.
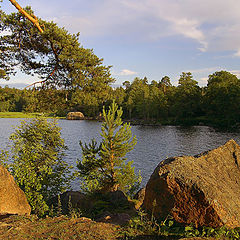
<point x="73" y="78"/>
<point x="142" y="102"/>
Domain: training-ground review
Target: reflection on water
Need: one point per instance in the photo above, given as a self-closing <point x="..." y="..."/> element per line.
<point x="154" y="143"/>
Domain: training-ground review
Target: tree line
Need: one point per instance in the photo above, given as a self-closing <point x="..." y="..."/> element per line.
<point x="141" y="100"/>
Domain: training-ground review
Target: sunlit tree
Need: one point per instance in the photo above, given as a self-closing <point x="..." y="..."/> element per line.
<point x="104" y="167"/>
<point x="36" y="162"/>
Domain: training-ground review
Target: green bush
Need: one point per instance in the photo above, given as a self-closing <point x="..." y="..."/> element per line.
<point x="36" y="162"/>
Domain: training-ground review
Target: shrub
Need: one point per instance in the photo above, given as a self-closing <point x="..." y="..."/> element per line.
<point x="36" y="162"/>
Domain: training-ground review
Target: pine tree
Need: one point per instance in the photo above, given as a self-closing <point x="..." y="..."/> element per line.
<point x="104" y="167"/>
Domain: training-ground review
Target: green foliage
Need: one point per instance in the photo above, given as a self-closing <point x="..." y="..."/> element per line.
<point x="36" y="162"/>
<point x="186" y="97"/>
<point x="222" y="98"/>
<point x="59" y="207"/>
<point x="55" y="55"/>
<point x="157" y="102"/>
<point x="222" y="232"/>
<point x="104" y="167"/>
<point x="142" y="225"/>
<point x="73" y="211"/>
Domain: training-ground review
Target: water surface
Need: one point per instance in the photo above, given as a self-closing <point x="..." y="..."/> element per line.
<point x="154" y="143"/>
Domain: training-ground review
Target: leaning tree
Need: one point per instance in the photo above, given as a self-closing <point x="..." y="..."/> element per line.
<point x="41" y="48"/>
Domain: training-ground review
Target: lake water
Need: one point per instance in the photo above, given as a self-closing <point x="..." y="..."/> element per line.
<point x="154" y="143"/>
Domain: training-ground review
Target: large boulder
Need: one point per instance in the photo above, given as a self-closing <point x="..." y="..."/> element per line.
<point x="75" y="116"/>
<point x="12" y="198"/>
<point x="98" y="204"/>
<point x="74" y="199"/>
<point x="203" y="189"/>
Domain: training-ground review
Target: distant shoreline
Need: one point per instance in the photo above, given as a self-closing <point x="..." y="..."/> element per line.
<point x="202" y="121"/>
<point x="25" y="115"/>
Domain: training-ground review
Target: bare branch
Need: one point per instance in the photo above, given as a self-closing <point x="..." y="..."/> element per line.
<point x="33" y="84"/>
<point x="43" y="81"/>
<point x="34" y="19"/>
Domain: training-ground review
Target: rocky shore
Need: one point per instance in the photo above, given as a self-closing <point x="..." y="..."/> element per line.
<point x="201" y="191"/>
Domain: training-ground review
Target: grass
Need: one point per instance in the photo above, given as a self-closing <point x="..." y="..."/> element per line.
<point x="24" y="115"/>
<point x="67" y="228"/>
<point x="18" y="115"/>
<point x="62" y="227"/>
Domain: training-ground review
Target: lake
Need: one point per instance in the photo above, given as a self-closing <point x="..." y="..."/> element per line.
<point x="154" y="143"/>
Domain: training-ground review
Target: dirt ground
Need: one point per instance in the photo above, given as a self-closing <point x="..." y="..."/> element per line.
<point x="65" y="228"/>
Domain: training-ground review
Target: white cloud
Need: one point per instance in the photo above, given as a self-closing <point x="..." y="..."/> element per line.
<point x="214" y="24"/>
<point x="125" y="72"/>
<point x="204" y="70"/>
<point x="203" y="81"/>
<point x="189" y="29"/>
<point x="196" y="20"/>
<point x="203" y="73"/>
<point x="237" y="53"/>
<point x="235" y="72"/>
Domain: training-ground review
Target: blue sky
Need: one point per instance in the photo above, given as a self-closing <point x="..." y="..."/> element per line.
<point x="151" y="38"/>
